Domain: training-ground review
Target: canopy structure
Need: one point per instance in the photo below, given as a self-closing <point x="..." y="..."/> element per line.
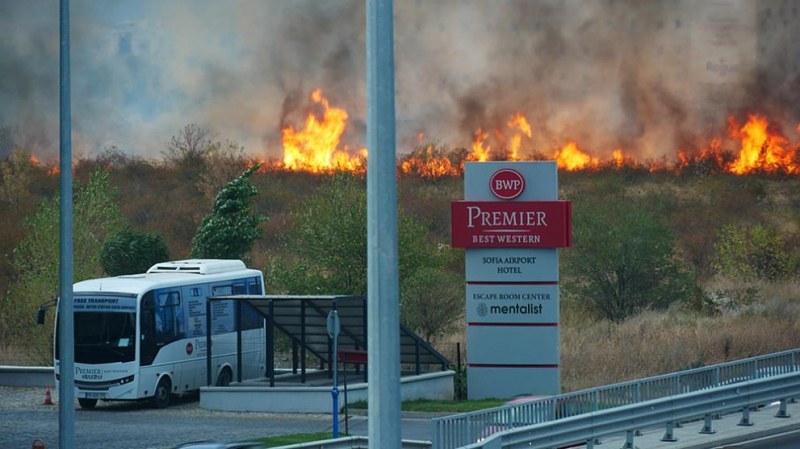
<point x="304" y="320"/>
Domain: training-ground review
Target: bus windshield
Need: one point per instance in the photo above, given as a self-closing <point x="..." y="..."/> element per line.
<point x="105" y="330"/>
<point x="103" y="337"/>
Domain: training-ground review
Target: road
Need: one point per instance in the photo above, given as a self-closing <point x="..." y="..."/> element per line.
<point x="115" y="425"/>
<point x="790" y="440"/>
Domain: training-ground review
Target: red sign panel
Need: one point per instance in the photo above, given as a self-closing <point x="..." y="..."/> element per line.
<point x="517" y="224"/>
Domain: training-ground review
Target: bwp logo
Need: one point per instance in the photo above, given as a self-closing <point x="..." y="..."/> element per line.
<point x="507" y="184"/>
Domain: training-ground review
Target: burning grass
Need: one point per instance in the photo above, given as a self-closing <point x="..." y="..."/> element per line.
<point x="754" y="146"/>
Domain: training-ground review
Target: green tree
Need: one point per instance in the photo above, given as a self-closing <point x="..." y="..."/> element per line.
<point x="229" y="231"/>
<point x="96" y="216"/>
<point x="622" y="261"/>
<point x="432" y="301"/>
<point x="328" y="244"/>
<point x="128" y="252"/>
<point x="16" y="173"/>
<point x="753" y="252"/>
<point x="326" y="253"/>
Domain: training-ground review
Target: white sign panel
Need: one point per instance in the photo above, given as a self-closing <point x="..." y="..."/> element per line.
<point x="514" y="346"/>
<point x="512" y="303"/>
<point x="505" y="382"/>
<point x="512" y="265"/>
<point x="512" y="294"/>
<point x="541" y="180"/>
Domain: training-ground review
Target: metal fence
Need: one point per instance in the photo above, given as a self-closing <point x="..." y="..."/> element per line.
<point x="450" y="432"/>
<point x="587" y="428"/>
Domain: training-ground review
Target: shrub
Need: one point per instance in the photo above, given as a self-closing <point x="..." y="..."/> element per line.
<point x="229" y="231"/>
<point x="754" y="252"/>
<point x="128" y="252"/>
<point x="623" y="261"/>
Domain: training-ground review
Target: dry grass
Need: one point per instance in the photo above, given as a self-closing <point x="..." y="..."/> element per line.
<point x="597" y="353"/>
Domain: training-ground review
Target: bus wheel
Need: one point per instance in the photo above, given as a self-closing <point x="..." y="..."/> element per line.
<point x="162" y="396"/>
<point x="88" y="404"/>
<point x="224" y="378"/>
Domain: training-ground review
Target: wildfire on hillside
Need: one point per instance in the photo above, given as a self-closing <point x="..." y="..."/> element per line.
<point x="752" y="147"/>
<point x="52" y="170"/>
<point x="315" y="148"/>
<point x="761" y="149"/>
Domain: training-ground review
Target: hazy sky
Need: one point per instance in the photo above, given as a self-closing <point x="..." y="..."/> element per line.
<point x="642" y="75"/>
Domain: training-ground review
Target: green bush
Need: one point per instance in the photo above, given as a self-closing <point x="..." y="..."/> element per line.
<point x="228" y="232"/>
<point x="96" y="216"/>
<point x="623" y="260"/>
<point x="753" y="252"/>
<point x="128" y="252"/>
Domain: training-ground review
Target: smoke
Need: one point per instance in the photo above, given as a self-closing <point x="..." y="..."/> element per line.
<point x="649" y="77"/>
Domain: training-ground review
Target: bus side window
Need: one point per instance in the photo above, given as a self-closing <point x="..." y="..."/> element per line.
<point x="169" y="316"/>
<point x="254" y="287"/>
<point x="147" y="325"/>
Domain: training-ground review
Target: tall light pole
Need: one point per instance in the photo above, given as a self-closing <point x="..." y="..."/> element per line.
<point x="383" y="340"/>
<point x="66" y="325"/>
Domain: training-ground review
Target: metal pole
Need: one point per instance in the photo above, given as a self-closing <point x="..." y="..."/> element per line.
<point x="335" y="389"/>
<point x="239" y="341"/>
<point x="66" y="394"/>
<point x="208" y="343"/>
<point x="382" y="273"/>
<point x="271" y="347"/>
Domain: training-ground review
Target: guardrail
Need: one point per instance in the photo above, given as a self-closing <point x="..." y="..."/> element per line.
<point x="454" y="431"/>
<point x="587" y="427"/>
<point x="26" y="376"/>
<point x="354" y="442"/>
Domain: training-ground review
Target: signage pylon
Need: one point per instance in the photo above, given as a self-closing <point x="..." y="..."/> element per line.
<point x="511" y="224"/>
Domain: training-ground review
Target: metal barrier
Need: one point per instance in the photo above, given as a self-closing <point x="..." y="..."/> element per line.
<point x="450" y="432"/>
<point x="26" y="376"/>
<point x="587" y="427"/>
<point x="354" y="442"/>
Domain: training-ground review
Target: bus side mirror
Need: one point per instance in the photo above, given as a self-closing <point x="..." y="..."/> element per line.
<point x="40" y="315"/>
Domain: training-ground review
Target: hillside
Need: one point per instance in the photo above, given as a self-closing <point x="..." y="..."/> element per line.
<point x="729" y="316"/>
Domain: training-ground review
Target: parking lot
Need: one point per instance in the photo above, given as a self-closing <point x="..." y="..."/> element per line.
<point x="133" y="425"/>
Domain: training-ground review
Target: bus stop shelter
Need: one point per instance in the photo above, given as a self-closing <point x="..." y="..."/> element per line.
<point x="303" y="319"/>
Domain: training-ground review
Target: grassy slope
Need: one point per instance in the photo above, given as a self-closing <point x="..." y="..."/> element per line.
<point x="593" y="352"/>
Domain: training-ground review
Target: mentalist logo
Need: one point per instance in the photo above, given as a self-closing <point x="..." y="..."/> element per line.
<point x="507" y="184"/>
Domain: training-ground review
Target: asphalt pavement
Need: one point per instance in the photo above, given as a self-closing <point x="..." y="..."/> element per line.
<point x="728" y="434"/>
<point x="24" y="417"/>
<point x="134" y="425"/>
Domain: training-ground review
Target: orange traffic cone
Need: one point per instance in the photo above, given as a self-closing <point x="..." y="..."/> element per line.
<point x="47" y="399"/>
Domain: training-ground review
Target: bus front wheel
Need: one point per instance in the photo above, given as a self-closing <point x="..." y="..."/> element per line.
<point x="161" y="398"/>
<point x="87" y="403"/>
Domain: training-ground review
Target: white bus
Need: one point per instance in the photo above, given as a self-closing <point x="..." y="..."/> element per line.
<point x="144" y="335"/>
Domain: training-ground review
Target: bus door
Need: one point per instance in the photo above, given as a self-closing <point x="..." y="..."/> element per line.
<point x="169" y="331"/>
<point x="192" y="328"/>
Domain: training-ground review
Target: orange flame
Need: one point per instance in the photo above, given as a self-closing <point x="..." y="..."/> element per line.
<point x="761" y="150"/>
<point x="618" y="157"/>
<point x="521" y="123"/>
<point x="316" y="147"/>
<point x="479" y="152"/>
<point x="429" y="162"/>
<point x="571" y="158"/>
